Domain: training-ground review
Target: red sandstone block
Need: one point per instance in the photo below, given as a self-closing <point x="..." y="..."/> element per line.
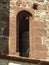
<point x="12" y="3"/>
<point x="38" y="48"/>
<point x="39" y="32"/>
<point x="32" y="54"/>
<point x="44" y="48"/>
<point x="40" y="24"/>
<point x="38" y="39"/>
<point x="40" y="55"/>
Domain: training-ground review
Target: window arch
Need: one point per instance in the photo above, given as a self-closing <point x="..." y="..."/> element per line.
<point x="23" y="33"/>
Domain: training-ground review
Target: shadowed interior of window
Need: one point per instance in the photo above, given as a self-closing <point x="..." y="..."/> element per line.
<point x="23" y="33"/>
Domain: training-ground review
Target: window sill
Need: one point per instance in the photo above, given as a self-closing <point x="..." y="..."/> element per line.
<point x="20" y="59"/>
<point x="23" y="59"/>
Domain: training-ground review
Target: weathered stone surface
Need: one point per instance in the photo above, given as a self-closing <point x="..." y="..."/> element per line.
<point x="3" y="62"/>
<point x="39" y="26"/>
<point x="10" y="62"/>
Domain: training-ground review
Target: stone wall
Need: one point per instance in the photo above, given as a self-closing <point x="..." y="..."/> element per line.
<point x="40" y="41"/>
<point x="40" y="27"/>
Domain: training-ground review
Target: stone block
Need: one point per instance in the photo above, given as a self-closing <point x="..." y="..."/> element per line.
<point x="39" y="32"/>
<point x="40" y="24"/>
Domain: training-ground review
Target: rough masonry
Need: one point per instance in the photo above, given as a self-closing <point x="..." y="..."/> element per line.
<point x="39" y="43"/>
<point x="39" y="27"/>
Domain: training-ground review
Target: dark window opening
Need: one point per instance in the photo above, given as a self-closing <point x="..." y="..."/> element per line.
<point x="23" y="35"/>
<point x="35" y="6"/>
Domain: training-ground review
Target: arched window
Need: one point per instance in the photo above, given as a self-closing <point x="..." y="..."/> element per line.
<point x="23" y="33"/>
